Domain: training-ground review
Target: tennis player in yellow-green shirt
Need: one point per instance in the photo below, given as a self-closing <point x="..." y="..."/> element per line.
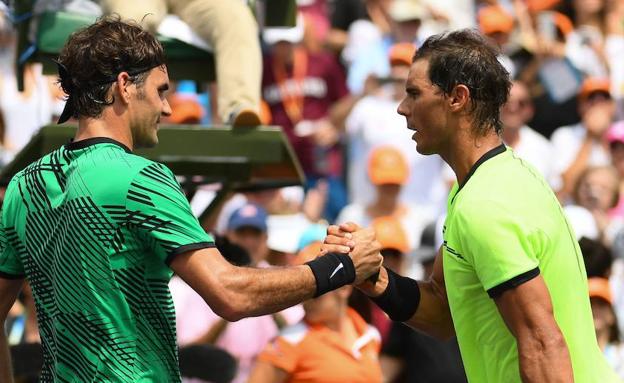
<point x="509" y="280"/>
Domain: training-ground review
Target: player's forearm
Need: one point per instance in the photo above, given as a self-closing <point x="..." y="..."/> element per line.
<point x="6" y="373"/>
<point x="544" y="357"/>
<point x="432" y="314"/>
<point x="254" y="292"/>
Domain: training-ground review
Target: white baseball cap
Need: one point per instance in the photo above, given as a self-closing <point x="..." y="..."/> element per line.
<point x="407" y="10"/>
<point x="292" y="35"/>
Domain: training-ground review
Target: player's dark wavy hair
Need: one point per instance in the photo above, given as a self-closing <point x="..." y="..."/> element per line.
<point x="93" y="57"/>
<point x="466" y="57"/>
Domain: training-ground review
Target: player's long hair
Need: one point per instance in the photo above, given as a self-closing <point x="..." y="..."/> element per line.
<point x="466" y="57"/>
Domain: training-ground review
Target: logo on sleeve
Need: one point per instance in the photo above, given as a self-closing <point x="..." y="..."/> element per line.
<point x="453" y="251"/>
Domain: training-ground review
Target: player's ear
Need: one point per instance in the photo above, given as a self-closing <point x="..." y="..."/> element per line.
<point x="122" y="87"/>
<point x="459" y="97"/>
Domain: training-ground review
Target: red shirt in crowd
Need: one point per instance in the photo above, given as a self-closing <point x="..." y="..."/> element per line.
<point x="305" y="93"/>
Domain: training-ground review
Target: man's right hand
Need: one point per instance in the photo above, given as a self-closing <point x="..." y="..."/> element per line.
<point x="361" y="245"/>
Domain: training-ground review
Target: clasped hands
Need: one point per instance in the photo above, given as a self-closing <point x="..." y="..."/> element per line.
<point x="363" y="248"/>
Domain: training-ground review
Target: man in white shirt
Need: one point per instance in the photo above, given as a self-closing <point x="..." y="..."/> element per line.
<point x="578" y="146"/>
<point x="373" y="122"/>
<point x="526" y="142"/>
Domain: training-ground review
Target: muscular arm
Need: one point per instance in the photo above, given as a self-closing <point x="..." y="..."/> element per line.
<point x="542" y="350"/>
<point x="433" y="315"/>
<point x="9" y="288"/>
<point x="238" y="292"/>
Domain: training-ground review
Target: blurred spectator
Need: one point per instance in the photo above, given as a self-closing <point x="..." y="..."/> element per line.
<point x="614" y="48"/>
<point x="394" y="243"/>
<point x="332" y="343"/>
<point x="247" y="228"/>
<point x="497" y="24"/>
<point x="597" y="190"/>
<point x="21" y="113"/>
<point x="388" y="171"/>
<point x="598" y="258"/>
<point x="606" y="323"/>
<point x="308" y="98"/>
<point x="615" y="138"/>
<point x="586" y="43"/>
<point x="344" y="13"/>
<point x="285" y="231"/>
<point x="445" y="15"/>
<point x="372" y="58"/>
<point x="411" y="356"/>
<point x="197" y="324"/>
<point x="288" y="201"/>
<point x="541" y="63"/>
<point x="230" y="29"/>
<point x="582" y="221"/>
<point x="544" y="32"/>
<point x="581" y="145"/>
<point x="374" y="122"/>
<point x="317" y="23"/>
<point x="526" y="143"/>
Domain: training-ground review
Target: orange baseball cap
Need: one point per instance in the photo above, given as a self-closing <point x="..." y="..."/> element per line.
<point x="390" y="234"/>
<point x="600" y="288"/>
<point x="402" y="54"/>
<point x="541" y="5"/>
<point x="387" y="165"/>
<point x="593" y="85"/>
<point x="494" y="19"/>
<point x="185" y="110"/>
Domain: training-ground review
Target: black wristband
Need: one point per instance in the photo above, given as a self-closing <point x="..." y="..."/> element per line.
<point x="400" y="299"/>
<point x="331" y="272"/>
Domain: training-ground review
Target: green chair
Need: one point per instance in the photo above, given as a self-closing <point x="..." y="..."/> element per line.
<point x="249" y="158"/>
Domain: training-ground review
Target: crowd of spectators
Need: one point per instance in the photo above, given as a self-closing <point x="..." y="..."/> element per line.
<point x="333" y="82"/>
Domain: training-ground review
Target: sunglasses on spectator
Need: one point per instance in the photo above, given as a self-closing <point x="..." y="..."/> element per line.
<point x="520" y="104"/>
<point x="598" y="96"/>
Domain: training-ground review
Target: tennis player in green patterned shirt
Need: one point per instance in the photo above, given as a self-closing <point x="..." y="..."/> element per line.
<point x="98" y="231"/>
<point x="509" y="280"/>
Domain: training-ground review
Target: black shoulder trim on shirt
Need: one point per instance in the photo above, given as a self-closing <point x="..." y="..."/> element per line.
<point x="11" y="276"/>
<point x="516" y="281"/>
<point x="189" y="247"/>
<point x="488" y="155"/>
<point x="76" y="145"/>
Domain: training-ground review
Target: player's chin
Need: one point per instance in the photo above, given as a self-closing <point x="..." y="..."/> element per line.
<point x="423" y="149"/>
<point x="148" y="141"/>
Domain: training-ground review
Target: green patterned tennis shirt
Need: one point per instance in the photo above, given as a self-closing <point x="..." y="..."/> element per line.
<point x="93" y="228"/>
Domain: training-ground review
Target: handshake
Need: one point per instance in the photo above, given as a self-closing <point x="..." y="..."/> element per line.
<point x="350" y="247"/>
<point x="361" y="245"/>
